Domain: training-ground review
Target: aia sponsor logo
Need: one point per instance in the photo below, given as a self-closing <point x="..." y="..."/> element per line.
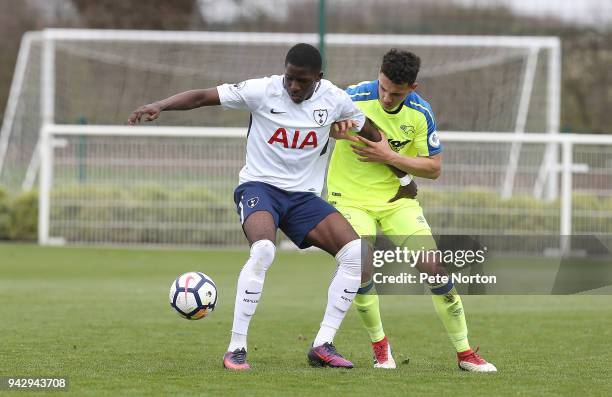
<point x="295" y="140"/>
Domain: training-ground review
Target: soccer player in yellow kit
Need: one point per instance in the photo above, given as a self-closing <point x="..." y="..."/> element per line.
<point x="363" y="177"/>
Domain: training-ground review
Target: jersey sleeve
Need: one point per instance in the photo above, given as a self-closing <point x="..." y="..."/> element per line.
<point x="427" y="141"/>
<point x="246" y="95"/>
<point x="350" y="111"/>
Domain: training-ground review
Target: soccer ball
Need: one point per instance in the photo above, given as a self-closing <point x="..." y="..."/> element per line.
<point x="193" y="295"/>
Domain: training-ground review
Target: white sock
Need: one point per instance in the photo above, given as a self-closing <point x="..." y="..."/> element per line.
<point x="325" y="334"/>
<point x="238" y="342"/>
<point x="341" y="291"/>
<point x="250" y="287"/>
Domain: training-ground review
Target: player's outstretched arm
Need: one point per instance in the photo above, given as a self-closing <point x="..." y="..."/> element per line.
<point x="342" y="130"/>
<point x="409" y="191"/>
<point x="183" y="101"/>
<point x="380" y="152"/>
<point x="371" y="133"/>
<point x="429" y="167"/>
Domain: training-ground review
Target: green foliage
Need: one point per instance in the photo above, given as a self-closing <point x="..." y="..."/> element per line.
<point x="18" y="216"/>
<point x="199" y="216"/>
<point x="481" y="211"/>
<point x="4" y="215"/>
<point x="145" y="214"/>
<point x="23" y="224"/>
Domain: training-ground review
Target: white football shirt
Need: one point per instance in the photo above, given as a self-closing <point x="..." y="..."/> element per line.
<point x="288" y="143"/>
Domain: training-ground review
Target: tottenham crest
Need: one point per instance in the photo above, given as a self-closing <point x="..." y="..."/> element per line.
<point x="320" y="116"/>
<point x="252" y="202"/>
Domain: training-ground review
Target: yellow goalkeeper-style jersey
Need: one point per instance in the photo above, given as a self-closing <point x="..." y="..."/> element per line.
<point x="410" y="130"/>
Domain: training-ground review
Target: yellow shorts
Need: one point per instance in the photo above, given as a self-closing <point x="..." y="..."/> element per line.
<point x="402" y="221"/>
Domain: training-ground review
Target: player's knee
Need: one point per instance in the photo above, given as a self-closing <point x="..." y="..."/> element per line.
<point x="367" y="263"/>
<point x="349" y="258"/>
<point x="262" y="255"/>
<point x="429" y="264"/>
<point x="366" y="275"/>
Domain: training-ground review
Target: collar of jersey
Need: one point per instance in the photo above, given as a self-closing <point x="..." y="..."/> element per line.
<point x="392" y="114"/>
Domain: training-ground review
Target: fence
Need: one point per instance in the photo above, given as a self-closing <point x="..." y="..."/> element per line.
<point x="173" y="185"/>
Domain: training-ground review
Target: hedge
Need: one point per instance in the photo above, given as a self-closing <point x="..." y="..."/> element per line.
<point x="138" y="211"/>
<point x="19" y="216"/>
<point x="5" y="215"/>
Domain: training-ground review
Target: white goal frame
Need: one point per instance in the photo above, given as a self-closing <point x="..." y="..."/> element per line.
<point x="546" y="185"/>
<point x="15" y="92"/>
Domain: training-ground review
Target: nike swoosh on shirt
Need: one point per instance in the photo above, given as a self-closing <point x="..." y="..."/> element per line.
<point x="349" y="292"/>
<point x="275" y="112"/>
<point x="246" y="291"/>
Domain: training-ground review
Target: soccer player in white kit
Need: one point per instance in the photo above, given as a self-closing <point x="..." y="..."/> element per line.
<point x="281" y="183"/>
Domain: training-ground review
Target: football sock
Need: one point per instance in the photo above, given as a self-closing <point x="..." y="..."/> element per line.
<point x="447" y="303"/>
<point x="341" y="291"/>
<point x="250" y="286"/>
<point x="367" y="304"/>
<point x="238" y="341"/>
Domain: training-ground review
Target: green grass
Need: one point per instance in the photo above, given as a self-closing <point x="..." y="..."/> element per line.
<point x="101" y="317"/>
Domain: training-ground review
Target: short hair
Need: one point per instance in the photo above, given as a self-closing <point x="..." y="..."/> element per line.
<point x="305" y="56"/>
<point x="400" y="67"/>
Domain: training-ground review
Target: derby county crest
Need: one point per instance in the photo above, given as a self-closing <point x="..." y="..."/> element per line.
<point x="252" y="202"/>
<point x="320" y="116"/>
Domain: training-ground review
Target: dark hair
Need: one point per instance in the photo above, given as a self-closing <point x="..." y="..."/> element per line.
<point x="400" y="67"/>
<point x="305" y="56"/>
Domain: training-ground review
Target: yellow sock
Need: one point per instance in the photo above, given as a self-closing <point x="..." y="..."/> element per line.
<point x="367" y="304"/>
<point x="449" y="307"/>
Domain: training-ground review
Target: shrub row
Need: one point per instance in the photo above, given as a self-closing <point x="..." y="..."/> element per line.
<point x="156" y="214"/>
<point x="18" y="216"/>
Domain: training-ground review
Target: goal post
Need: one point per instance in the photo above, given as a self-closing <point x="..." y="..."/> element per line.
<point x="475" y="83"/>
<point x="77" y="87"/>
<point x="21" y="120"/>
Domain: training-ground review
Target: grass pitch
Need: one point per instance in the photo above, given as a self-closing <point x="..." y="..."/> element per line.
<point x="101" y="317"/>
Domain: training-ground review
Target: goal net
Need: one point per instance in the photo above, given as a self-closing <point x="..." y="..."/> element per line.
<point x="172" y="182"/>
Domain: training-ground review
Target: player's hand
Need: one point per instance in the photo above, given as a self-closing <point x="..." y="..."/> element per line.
<point x="152" y="111"/>
<point x="374" y="152"/>
<point x="342" y="129"/>
<point x="409" y="191"/>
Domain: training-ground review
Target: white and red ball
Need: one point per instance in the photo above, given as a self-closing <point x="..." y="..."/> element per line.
<point x="193" y="295"/>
